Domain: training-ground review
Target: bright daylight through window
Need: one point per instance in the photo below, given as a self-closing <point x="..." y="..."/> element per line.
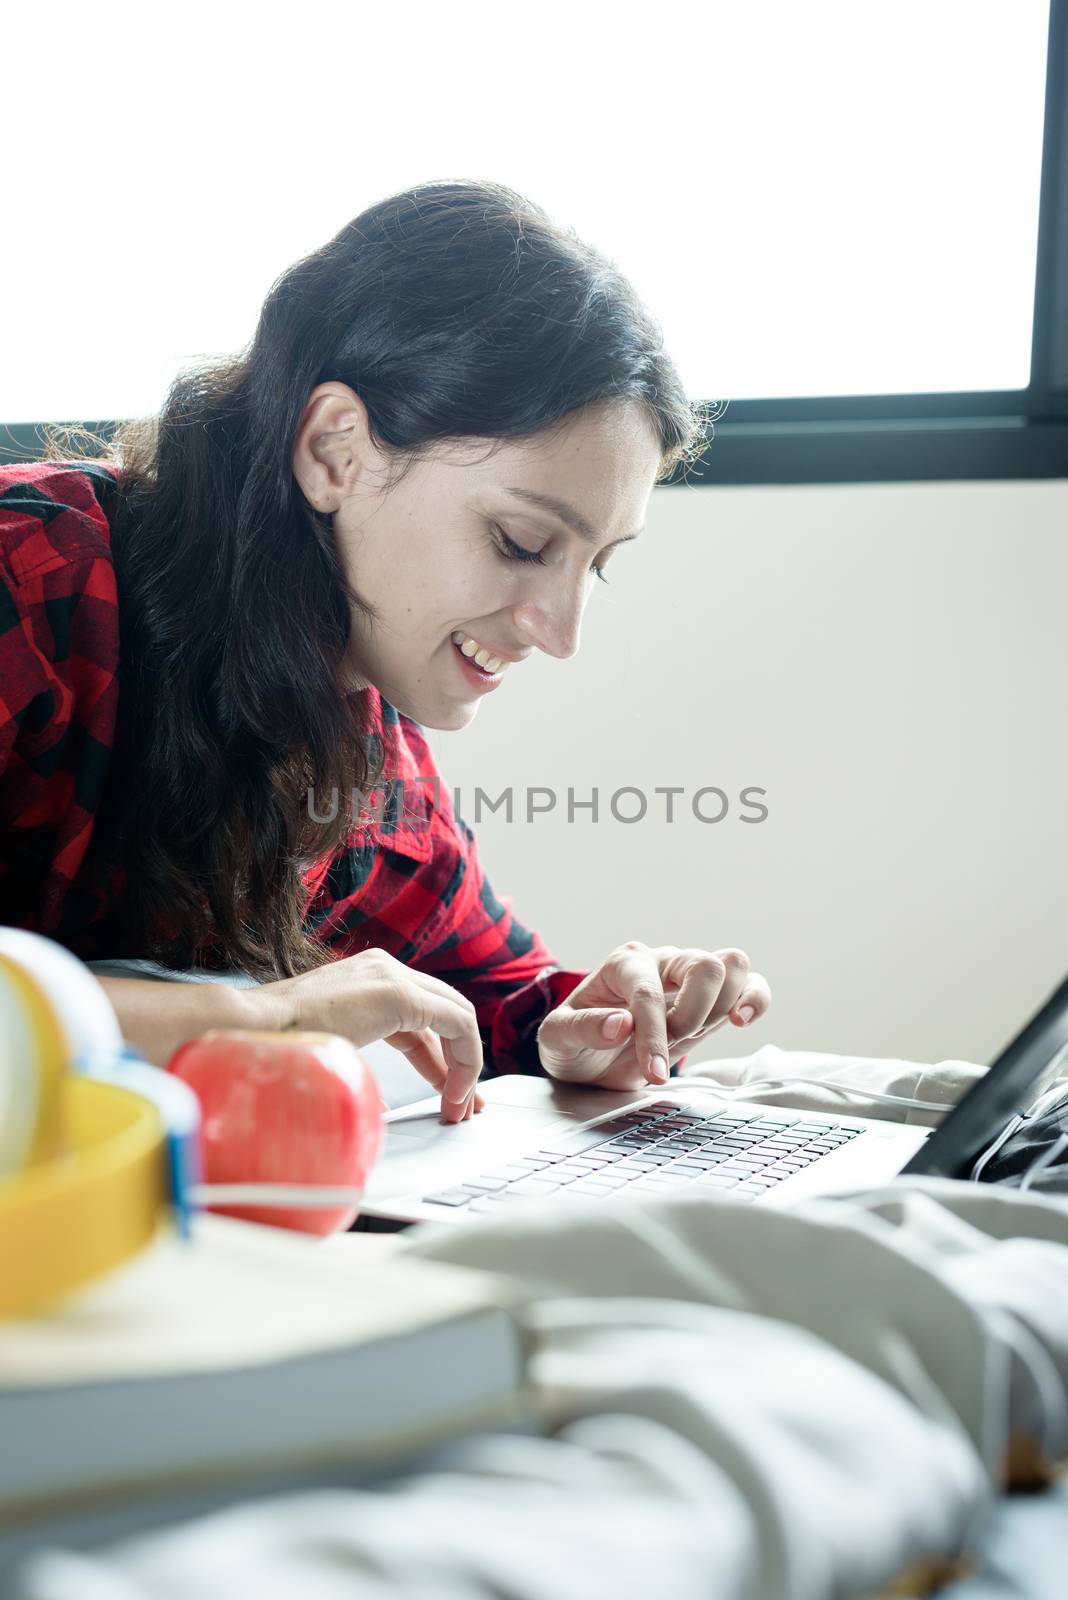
<point x="821" y="198"/>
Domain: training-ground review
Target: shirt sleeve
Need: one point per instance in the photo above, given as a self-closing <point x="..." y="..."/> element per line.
<point x="500" y="965"/>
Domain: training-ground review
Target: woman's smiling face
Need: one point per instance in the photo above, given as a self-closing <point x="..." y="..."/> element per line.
<point x="434" y="556"/>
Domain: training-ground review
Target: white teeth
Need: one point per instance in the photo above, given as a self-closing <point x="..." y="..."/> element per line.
<point x="473" y="650"/>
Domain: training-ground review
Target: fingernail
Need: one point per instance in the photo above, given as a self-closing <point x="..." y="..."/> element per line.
<point x="613" y="1025"/>
<point x="747" y="1013"/>
<point x="658" y="1069"/>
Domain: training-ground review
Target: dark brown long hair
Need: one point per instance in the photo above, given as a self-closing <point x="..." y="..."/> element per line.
<point x="454" y="309"/>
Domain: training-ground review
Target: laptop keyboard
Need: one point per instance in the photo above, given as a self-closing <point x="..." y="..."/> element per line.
<point x="655" y="1147"/>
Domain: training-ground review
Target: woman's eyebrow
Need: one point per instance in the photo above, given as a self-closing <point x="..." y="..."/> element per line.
<point x="567" y="513"/>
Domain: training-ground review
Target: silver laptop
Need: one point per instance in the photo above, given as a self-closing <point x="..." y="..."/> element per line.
<point x="538" y="1140"/>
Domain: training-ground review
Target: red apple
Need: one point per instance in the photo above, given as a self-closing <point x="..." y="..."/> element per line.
<point x="289" y="1107"/>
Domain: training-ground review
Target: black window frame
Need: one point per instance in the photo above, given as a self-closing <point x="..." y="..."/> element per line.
<point x="987" y="434"/>
<point x="1012" y="433"/>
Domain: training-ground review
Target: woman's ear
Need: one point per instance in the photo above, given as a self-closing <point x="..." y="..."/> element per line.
<point x="328" y="450"/>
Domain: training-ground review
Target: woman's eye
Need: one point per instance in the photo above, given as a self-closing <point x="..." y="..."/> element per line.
<point x="516" y="552"/>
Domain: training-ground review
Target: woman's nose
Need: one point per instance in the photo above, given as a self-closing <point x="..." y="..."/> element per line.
<point x="552" y="625"/>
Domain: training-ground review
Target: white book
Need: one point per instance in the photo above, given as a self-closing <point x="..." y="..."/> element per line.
<point x="247" y="1351"/>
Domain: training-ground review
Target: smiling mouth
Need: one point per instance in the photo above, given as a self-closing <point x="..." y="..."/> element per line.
<point x="469" y="661"/>
<point x="471" y="649"/>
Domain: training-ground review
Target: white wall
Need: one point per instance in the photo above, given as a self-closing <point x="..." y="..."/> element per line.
<point x="889" y="663"/>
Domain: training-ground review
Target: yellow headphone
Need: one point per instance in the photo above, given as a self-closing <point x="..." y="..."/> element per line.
<point x="93" y="1141"/>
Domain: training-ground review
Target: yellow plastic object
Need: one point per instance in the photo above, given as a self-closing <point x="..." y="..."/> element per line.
<point x="75" y="994"/>
<point x="35" y="1053"/>
<point x="64" y="1221"/>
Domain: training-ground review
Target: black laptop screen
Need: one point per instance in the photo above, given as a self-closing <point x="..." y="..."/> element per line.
<point x="1023" y="1071"/>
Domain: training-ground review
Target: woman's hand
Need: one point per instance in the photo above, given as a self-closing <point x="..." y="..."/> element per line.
<point x="646" y="1003"/>
<point x="373" y="996"/>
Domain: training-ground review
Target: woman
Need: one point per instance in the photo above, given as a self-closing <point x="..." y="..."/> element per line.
<point x="447" y="419"/>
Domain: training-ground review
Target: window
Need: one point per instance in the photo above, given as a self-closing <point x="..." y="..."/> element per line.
<point x="850" y="220"/>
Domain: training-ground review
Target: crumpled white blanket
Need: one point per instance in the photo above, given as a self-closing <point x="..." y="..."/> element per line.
<point x="943" y="1083"/>
<point x="741" y="1402"/>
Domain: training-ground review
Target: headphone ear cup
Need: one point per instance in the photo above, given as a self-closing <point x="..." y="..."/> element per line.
<point x="77" y="998"/>
<point x="55" y="1018"/>
<point x="33" y="1064"/>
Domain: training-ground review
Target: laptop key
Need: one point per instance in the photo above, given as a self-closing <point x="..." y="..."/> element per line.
<point x="488" y="1185"/>
<point x="574" y="1143"/>
<point x="453" y="1197"/>
<point x="534" y="1186"/>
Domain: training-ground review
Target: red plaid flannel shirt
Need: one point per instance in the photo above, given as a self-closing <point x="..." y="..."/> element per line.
<point x="407" y="881"/>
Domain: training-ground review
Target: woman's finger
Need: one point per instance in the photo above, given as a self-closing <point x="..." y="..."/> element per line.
<point x="463" y="1073"/>
<point x="753" y="1002"/>
<point x="710" y="982"/>
<point x="424" y="1050"/>
<point x="452" y="1019"/>
<point x="633" y="970"/>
